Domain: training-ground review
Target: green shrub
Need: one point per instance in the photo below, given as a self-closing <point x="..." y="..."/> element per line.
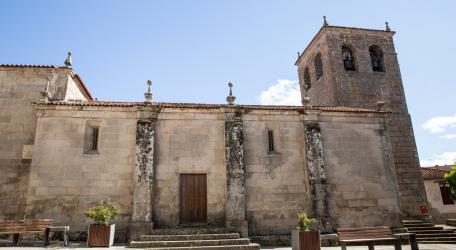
<point x="304" y="222"/>
<point x="103" y="213"/>
<point x="450" y="179"/>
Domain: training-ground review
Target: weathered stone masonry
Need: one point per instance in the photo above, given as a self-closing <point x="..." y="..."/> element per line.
<point x="235" y="174"/>
<point x="317" y="176"/>
<point x="142" y="221"/>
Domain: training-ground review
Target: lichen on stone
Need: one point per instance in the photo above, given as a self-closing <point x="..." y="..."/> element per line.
<point x="144" y="149"/>
<point x="317" y="176"/>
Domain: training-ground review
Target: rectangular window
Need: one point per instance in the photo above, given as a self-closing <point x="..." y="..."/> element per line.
<point x="91" y="139"/>
<point x="270" y="141"/>
<point x="446" y="194"/>
<point x="95" y="139"/>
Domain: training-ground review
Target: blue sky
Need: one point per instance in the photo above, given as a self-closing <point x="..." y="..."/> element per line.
<point x="191" y="49"/>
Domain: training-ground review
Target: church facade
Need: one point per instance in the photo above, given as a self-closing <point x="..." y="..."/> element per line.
<point x="347" y="156"/>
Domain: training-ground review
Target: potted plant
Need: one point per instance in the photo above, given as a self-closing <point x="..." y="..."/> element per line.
<point x="303" y="237"/>
<point x="101" y="234"/>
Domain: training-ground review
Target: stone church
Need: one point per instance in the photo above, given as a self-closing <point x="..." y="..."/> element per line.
<point x="346" y="156"/>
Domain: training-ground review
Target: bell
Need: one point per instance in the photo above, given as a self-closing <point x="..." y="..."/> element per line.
<point x="375" y="63"/>
<point x="348" y="64"/>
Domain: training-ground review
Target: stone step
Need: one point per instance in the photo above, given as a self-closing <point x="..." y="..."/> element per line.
<point x="424" y="232"/>
<point x="190" y="230"/>
<point x="413" y="229"/>
<point x="251" y="246"/>
<point x="419" y="236"/>
<point x="451" y="222"/>
<point x="189" y="243"/>
<point x="189" y="237"/>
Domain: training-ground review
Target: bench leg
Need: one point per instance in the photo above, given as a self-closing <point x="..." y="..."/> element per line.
<point x="15" y="239"/>
<point x="413" y="242"/>
<point x="371" y="245"/>
<point x="65" y="237"/>
<point x="343" y="246"/>
<point x="46" y="236"/>
<point x="397" y="244"/>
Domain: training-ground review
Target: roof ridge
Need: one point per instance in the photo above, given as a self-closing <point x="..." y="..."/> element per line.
<point x="28" y="66"/>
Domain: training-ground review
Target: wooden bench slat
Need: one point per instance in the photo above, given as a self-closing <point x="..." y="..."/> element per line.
<point x="367" y="240"/>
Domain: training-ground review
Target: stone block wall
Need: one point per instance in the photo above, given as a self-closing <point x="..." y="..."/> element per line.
<point x="189" y="141"/>
<point x="439" y="211"/>
<point x="19" y="88"/>
<point x="65" y="181"/>
<point x="276" y="182"/>
<point x="360" y="174"/>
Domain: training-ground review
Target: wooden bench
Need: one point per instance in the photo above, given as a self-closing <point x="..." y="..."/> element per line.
<point x="368" y="235"/>
<point x="31" y="226"/>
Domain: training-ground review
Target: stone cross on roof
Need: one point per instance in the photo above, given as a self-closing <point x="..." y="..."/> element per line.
<point x="230" y="98"/>
<point x="387" y="27"/>
<point x="148" y="94"/>
<point x="325" y="23"/>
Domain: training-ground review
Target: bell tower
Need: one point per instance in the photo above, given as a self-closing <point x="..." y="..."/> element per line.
<point x="357" y="67"/>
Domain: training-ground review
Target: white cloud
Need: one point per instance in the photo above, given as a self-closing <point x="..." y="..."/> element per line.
<point x="446" y="158"/>
<point x="449" y="136"/>
<point x="440" y="123"/>
<point x="283" y="92"/>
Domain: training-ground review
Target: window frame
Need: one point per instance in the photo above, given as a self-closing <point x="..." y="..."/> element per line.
<point x="271" y="145"/>
<point x="349" y="49"/>
<point x="91" y="138"/>
<point x="308" y="79"/>
<point x="318" y="66"/>
<point x="375" y="49"/>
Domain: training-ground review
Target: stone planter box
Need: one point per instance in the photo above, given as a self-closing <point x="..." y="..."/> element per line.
<point x="100" y="235"/>
<point x="301" y="240"/>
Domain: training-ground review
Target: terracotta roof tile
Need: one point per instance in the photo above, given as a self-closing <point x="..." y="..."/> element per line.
<point x="434" y="173"/>
<point x="202" y="106"/>
<point x="27" y="66"/>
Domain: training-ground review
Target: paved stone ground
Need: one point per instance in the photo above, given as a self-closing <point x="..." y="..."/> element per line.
<point x="27" y="245"/>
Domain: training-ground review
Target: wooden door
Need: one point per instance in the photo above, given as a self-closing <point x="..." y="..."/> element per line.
<point x="193" y="198"/>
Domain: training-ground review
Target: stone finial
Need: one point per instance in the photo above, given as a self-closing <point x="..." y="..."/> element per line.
<point x="148" y="94"/>
<point x="387" y="27"/>
<point x="230" y="98"/>
<point x="380" y="105"/>
<point x="325" y="23"/>
<point x="68" y="62"/>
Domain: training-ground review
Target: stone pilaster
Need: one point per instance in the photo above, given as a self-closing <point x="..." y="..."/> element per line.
<point x="317" y="176"/>
<point x="235" y="174"/>
<point x="142" y="222"/>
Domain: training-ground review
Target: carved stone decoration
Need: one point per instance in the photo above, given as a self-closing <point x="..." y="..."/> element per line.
<point x="142" y="222"/>
<point x="46" y="95"/>
<point x="148" y="94"/>
<point x="230" y="98"/>
<point x="68" y="61"/>
<point x="235" y="174"/>
<point x="317" y="176"/>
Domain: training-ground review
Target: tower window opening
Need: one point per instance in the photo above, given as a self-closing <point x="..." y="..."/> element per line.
<point x="307" y="79"/>
<point x="376" y="56"/>
<point x="348" y="58"/>
<point x="318" y="66"/>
